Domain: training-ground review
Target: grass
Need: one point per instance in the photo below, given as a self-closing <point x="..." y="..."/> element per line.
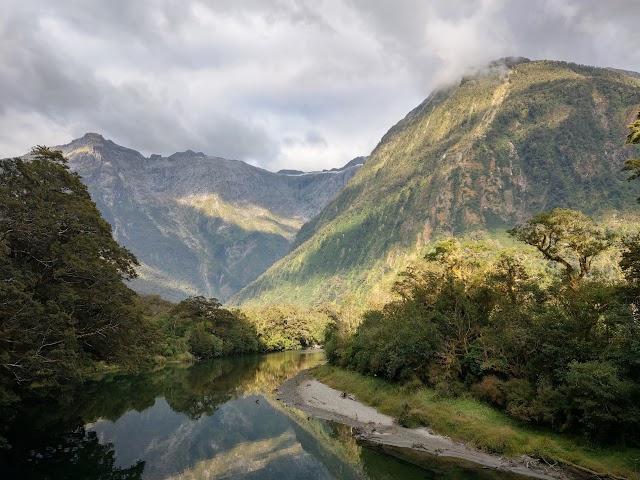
<point x="477" y="424"/>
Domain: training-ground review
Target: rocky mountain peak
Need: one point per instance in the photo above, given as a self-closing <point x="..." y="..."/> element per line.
<point x="198" y="224"/>
<point x="186" y="154"/>
<point x="89" y="139"/>
<point x="93" y="136"/>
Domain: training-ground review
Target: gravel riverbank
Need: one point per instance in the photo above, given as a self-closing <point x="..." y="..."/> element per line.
<point x="319" y="400"/>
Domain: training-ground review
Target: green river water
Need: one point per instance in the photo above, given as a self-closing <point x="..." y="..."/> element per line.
<point x="217" y="420"/>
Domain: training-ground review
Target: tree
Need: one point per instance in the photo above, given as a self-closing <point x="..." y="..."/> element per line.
<point x="634" y="133"/>
<point x="630" y="262"/>
<point x="567" y="237"/>
<point x="633" y="164"/>
<point x="602" y="402"/>
<point x="63" y="303"/>
<point x="212" y="331"/>
<point x="631" y="256"/>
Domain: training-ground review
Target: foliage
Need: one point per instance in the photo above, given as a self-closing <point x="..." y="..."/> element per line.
<point x="555" y="350"/>
<point x="206" y="330"/>
<point x="634" y="131"/>
<point x="63" y="304"/>
<point x="630" y="263"/>
<point x="633" y="164"/>
<point x="286" y="327"/>
<point x="199" y="328"/>
<point x="567" y="237"/>
<point x="470" y="421"/>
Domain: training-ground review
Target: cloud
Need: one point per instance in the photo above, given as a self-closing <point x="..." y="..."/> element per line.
<point x="283" y="84"/>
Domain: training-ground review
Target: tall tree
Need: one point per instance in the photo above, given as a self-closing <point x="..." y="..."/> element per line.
<point x="633" y="164"/>
<point x="567" y="237"/>
<point x="63" y="303"/>
<point x="631" y="256"/>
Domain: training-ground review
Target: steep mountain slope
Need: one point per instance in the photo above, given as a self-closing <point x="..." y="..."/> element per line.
<point x="514" y="139"/>
<point x="198" y="224"/>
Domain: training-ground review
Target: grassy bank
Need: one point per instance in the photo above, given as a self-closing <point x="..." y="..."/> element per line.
<point x="470" y="421"/>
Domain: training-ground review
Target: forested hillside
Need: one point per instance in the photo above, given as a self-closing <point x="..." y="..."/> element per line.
<point x="66" y="312"/>
<point x="515" y="139"/>
<point x="546" y="332"/>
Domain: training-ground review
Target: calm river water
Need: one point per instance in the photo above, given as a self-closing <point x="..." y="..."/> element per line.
<point x="211" y="420"/>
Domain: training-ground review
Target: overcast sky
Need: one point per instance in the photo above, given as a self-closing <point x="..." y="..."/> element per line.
<point x="278" y="83"/>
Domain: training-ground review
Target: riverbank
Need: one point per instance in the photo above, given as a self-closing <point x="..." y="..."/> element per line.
<point x="470" y="423"/>
<point x="319" y="400"/>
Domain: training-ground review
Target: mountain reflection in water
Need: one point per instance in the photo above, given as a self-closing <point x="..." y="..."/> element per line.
<point x="218" y="419"/>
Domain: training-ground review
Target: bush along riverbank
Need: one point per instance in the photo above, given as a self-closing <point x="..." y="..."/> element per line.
<point x="198" y="328"/>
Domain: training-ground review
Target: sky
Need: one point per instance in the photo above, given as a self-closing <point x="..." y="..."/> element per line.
<point x="299" y="84"/>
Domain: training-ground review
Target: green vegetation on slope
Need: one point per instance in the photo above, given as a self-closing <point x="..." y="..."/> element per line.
<point x="483" y="155"/>
<point x="66" y="313"/>
<point x="488" y="347"/>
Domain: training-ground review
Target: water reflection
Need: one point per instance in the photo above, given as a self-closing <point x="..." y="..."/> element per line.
<point x="211" y="420"/>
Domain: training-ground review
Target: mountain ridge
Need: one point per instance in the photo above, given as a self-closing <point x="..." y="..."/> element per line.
<point x="198" y="224"/>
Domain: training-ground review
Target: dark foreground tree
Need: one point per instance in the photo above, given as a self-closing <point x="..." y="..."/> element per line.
<point x="63" y="303"/>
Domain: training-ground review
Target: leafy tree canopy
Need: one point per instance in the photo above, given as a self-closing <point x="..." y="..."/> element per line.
<point x="633" y="164"/>
<point x="63" y="303"/>
<point x="631" y="256"/>
<point x="567" y="237"/>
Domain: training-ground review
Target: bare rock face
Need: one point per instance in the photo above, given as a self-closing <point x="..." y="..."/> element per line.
<point x="199" y="225"/>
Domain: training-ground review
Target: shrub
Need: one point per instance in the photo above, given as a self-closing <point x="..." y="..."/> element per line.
<point x="490" y="389"/>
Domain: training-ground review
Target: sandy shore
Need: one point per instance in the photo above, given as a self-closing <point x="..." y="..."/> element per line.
<point x="319" y="400"/>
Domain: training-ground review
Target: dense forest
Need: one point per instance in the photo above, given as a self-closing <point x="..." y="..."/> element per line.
<point x="198" y="328"/>
<point x="541" y="333"/>
<point x="473" y="319"/>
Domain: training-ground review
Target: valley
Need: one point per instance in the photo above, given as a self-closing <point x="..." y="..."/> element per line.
<point x="199" y="225"/>
<point x="477" y="274"/>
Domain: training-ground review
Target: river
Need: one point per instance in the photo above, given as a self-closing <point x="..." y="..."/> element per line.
<point x="219" y="419"/>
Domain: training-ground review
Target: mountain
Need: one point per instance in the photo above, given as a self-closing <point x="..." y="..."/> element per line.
<point x="515" y="138"/>
<point x="198" y="224"/>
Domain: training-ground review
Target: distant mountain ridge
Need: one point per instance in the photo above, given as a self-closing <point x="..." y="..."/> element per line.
<point x="198" y="224"/>
<point x="515" y="138"/>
